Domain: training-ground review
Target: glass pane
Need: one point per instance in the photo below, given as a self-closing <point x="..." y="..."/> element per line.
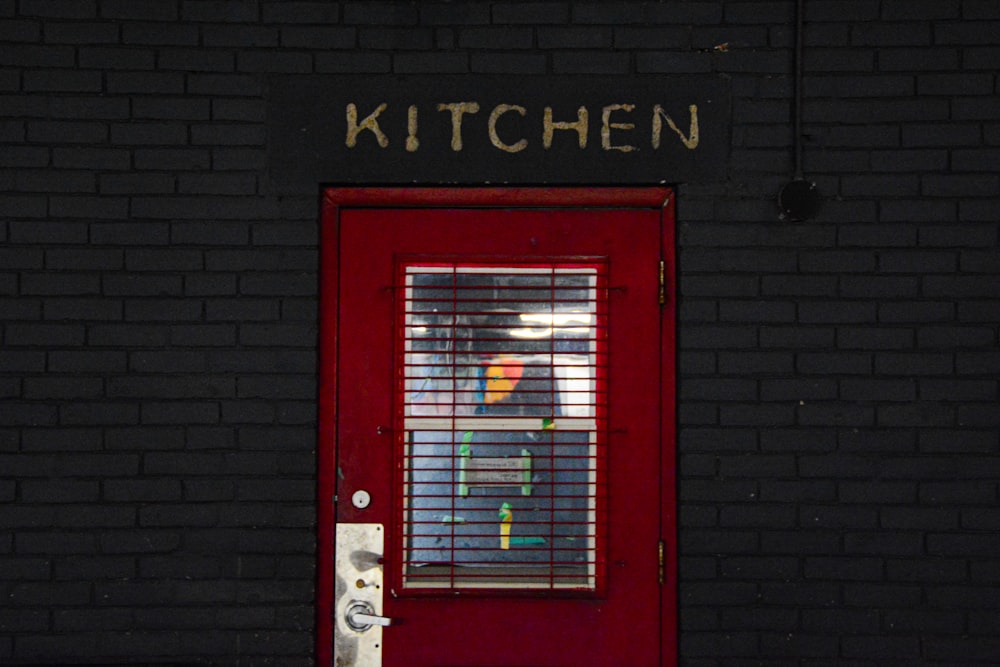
<point x="502" y="374"/>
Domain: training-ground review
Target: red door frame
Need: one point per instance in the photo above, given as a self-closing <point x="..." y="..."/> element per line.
<point x="333" y="200"/>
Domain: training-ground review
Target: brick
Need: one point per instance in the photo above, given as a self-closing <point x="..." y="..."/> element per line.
<point x="957" y="235"/>
<point x="77" y="620"/>
<point x="941" y="134"/>
<point x="62" y="388"/>
<point x="135" y="541"/>
<point x="172" y="158"/>
<point x="141" y="285"/>
<point x="890" y="185"/>
<point x="79" y="32"/>
<point x="149" y="133"/>
<point x="319" y="37"/>
<point x="578" y="62"/>
<point x="163" y="259"/>
<point x="725" y="260"/>
<point x="20" y="31"/>
<point x="379" y="13"/>
<point x="659" y="37"/>
<point x="416" y="39"/>
<point x="238" y="109"/>
<point x="960" y="286"/>
<point x="127" y="184"/>
<point x="133" y="438"/>
<point x="116" y="58"/>
<point x="958" y="390"/>
<point x="124" y="9"/>
<point x="975" y="210"/>
<point x="165" y="34"/>
<point x="242" y="85"/>
<point x="924" y="415"/>
<point x="967" y="441"/>
<point x="170" y="108"/>
<point x="878" y="136"/>
<point x="920" y="10"/>
<point x="840" y="60"/>
<point x="979" y="416"/>
<point x="198" y="208"/>
<point x="82" y="132"/>
<point x="962" y="648"/>
<point x="574" y="37"/>
<point x="238" y="11"/>
<point x="98" y="413"/>
<point x="978" y="57"/>
<point x="218" y="184"/>
<point x="797" y="389"/>
<point x="67" y="81"/>
<point x="210" y="285"/>
<point x="964" y="597"/>
<point x="23" y="55"/>
<point x="756" y="466"/>
<point x="602" y="13"/>
<point x="954" y="185"/>
<point x="810" y="594"/>
<point x="918" y="518"/>
<point x="909" y="160"/>
<point x="837" y="312"/>
<point x="89" y="158"/>
<point x="179" y="515"/>
<point x="23" y="621"/>
<point x="722" y="286"/>
<point x="795" y="337"/>
<point x="798" y="285"/>
<point x="977" y="261"/>
<point x="353" y="63"/>
<point x="967" y="33"/>
<point x="881" y="647"/>
<point x="755" y="311"/>
<point x="430" y="63"/>
<point x="24" y="156"/>
<point x="844" y="568"/>
<point x="150" y="490"/>
<point x="301" y="12"/>
<point x="274" y="61"/>
<point x="167" y="83"/>
<point x="162" y="309"/>
<point x="244" y="36"/>
<point x="909" y="364"/>
<point x="507" y="63"/>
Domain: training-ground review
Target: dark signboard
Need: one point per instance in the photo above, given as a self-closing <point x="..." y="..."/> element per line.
<point x="489" y="129"/>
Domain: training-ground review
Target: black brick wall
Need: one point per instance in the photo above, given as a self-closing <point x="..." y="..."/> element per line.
<point x="839" y="467"/>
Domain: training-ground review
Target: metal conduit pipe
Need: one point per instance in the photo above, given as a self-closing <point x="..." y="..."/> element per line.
<point x="799" y="199"/>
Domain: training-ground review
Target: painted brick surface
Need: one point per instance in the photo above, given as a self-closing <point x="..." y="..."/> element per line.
<point x="838" y="390"/>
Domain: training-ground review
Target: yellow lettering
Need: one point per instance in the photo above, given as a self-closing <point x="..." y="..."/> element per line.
<point x="457" y="109"/>
<point x="498" y="111"/>
<point x="369" y="123"/>
<point x="412" y="143"/>
<point x="606" y="126"/>
<point x="690" y="141"/>
<point x="580" y="126"/>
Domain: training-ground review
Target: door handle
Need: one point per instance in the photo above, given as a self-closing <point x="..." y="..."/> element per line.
<point x="360" y="616"/>
<point x="358" y="596"/>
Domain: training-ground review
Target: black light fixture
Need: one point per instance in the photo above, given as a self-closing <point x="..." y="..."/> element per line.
<point x="800" y="199"/>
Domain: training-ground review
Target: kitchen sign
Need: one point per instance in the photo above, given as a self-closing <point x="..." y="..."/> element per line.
<point x="478" y="130"/>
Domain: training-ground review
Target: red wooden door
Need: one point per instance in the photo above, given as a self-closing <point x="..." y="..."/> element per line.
<point x="498" y="411"/>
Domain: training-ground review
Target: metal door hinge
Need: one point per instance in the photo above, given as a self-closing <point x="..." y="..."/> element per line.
<point x="663" y="282"/>
<point x="662" y="568"/>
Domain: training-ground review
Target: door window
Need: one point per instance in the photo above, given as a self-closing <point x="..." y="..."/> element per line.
<point x="501" y="373"/>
